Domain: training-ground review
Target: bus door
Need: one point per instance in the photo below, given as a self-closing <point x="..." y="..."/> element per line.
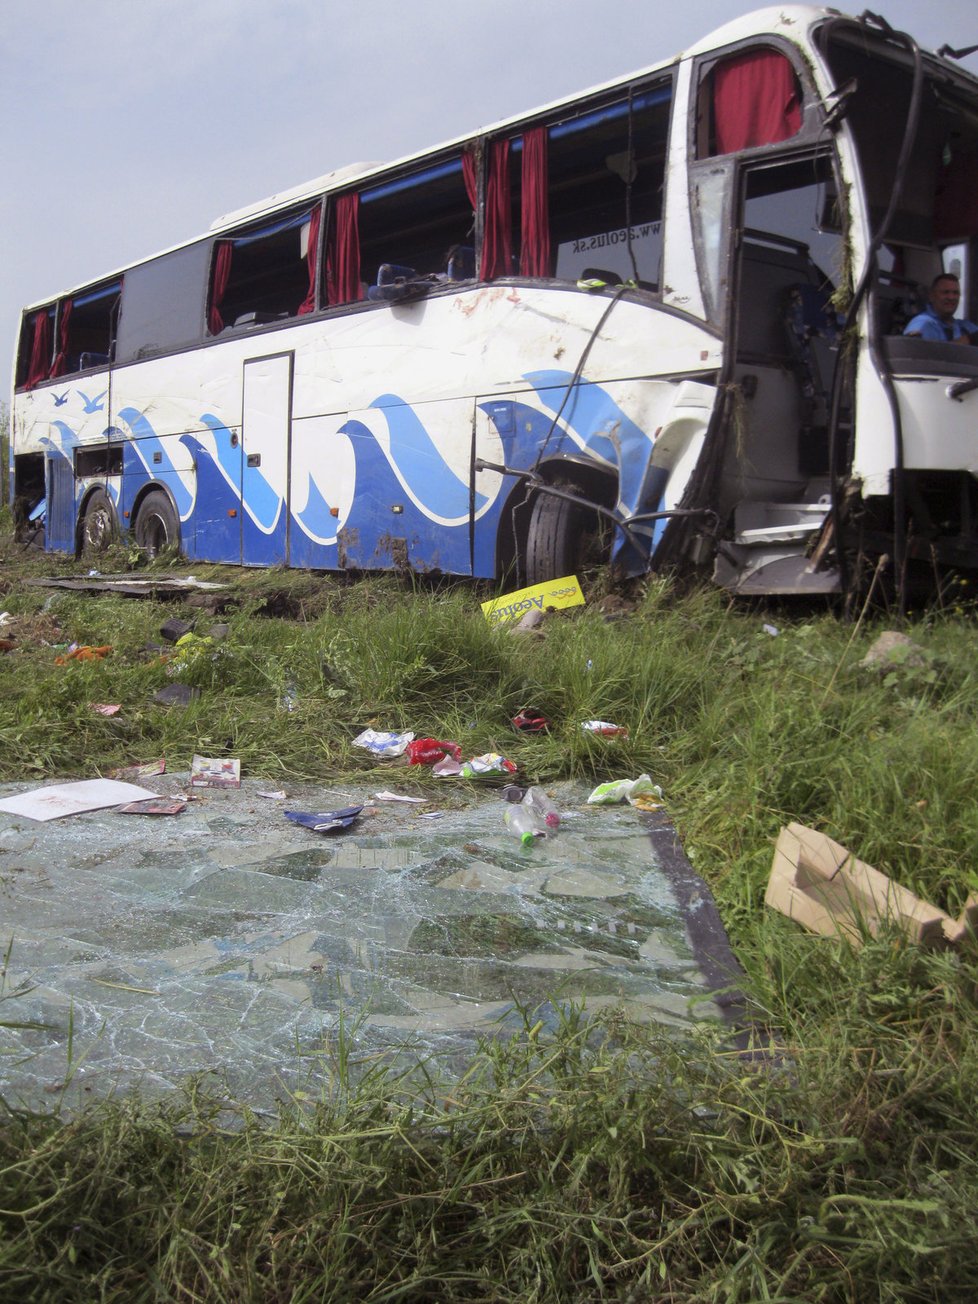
<point x="790" y="264"/>
<point x="266" y="421"/>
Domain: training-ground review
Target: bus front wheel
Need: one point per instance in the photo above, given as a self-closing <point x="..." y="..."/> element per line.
<point x="98" y="524"/>
<point x="157" y="528"/>
<point x="563" y="538"/>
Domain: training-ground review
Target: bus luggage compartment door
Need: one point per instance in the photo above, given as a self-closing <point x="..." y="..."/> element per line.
<point x="266" y="420"/>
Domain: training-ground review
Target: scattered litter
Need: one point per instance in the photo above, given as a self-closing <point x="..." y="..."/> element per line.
<point x="522" y="821"/>
<point x="565" y="592"/>
<point x="488" y="763"/>
<point x="383" y="744"/>
<point x="396" y="796"/>
<point x="531" y="721"/>
<point x="631" y="790"/>
<point x="72" y="798"/>
<point x="325" y="821"/>
<point x="7" y="644"/>
<point x="545" y="810"/>
<point x="278" y="795"/>
<point x="447" y="768"/>
<point x="772" y="630"/>
<point x="154" y="806"/>
<point x="604" y="728"/>
<point x="176" y="695"/>
<point x="431" y="815"/>
<point x="173" y="630"/>
<point x="822" y="886"/>
<point x="139" y="771"/>
<point x="106" y="708"/>
<point x="215" y="772"/>
<point x="429" y="751"/>
<point x="188" y="649"/>
<point x="5" y="618"/>
<point x="82" y="652"/>
<point x="512" y="792"/>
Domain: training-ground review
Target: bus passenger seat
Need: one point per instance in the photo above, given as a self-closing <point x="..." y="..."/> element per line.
<point x="461" y="263"/>
<point x="393" y="281"/>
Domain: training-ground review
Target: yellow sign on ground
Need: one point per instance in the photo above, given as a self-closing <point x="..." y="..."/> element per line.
<point x="564" y="592"/>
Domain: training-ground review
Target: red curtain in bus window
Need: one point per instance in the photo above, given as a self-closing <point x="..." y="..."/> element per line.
<point x="535" y="213"/>
<point x="755" y="101"/>
<point x="40" y="365"/>
<point x="308" y="304"/>
<point x="956" y="202"/>
<point x="343" y="252"/>
<point x="60" y="365"/>
<point x="470" y="175"/>
<point x="497" y="240"/>
<point x="219" y="285"/>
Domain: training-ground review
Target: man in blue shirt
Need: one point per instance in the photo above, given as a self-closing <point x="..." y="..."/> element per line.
<point x="938" y="322"/>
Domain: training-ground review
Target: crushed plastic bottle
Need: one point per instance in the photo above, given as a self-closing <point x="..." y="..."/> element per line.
<point x="543" y="807"/>
<point x="522" y="821"/>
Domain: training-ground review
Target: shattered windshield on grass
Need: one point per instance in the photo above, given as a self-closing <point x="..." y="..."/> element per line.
<point x="226" y="940"/>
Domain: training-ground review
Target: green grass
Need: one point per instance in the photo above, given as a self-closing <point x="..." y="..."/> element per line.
<point x="836" y="1161"/>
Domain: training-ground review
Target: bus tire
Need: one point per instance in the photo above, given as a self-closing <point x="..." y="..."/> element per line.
<point x="157" y="526"/>
<point x="99" y="527"/>
<point x="562" y="538"/>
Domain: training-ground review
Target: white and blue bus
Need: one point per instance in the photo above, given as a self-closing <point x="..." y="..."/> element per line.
<point x="655" y="324"/>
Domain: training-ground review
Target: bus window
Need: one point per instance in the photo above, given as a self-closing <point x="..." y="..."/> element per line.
<point x="746" y="101"/>
<point x="606" y="183"/>
<point x="35" y="352"/>
<point x="416" y="223"/>
<point x="262" y="274"/>
<point x="86" y="329"/>
<point x="163" y="303"/>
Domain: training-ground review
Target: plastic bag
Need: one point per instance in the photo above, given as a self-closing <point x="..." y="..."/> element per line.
<point x="383" y="744"/>
<point x="637" y="792"/>
<point x="429" y="751"/>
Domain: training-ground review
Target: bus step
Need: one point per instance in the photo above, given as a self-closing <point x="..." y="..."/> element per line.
<point x="763" y="524"/>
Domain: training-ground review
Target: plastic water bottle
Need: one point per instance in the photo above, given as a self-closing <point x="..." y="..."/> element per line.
<point x="522" y="821"/>
<point x="543" y="808"/>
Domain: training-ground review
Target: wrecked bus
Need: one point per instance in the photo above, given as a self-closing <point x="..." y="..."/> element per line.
<point x="658" y="324"/>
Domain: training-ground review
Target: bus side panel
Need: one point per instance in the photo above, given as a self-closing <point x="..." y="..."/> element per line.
<point x="412" y="501"/>
<point x="322" y="482"/>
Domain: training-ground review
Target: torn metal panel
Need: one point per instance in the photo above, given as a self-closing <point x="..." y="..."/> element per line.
<point x="128" y="586"/>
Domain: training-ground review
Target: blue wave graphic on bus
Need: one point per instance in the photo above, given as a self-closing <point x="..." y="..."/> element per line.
<point x="415" y="455"/>
<point x="218" y="511"/>
<point x="69" y="439"/>
<point x="603" y="430"/>
<point x="143" y="467"/>
<point x="317" y="514"/>
<point x="264" y="504"/>
<point x="371" y="528"/>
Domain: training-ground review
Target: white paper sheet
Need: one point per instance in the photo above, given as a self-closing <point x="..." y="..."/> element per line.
<point x="73" y="798"/>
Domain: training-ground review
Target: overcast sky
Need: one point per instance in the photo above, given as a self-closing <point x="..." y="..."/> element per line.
<point x="129" y="125"/>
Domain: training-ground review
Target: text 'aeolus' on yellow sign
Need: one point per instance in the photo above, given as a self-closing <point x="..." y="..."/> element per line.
<point x="551" y="594"/>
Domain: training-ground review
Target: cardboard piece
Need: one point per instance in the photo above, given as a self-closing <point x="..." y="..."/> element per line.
<point x="825" y="888"/>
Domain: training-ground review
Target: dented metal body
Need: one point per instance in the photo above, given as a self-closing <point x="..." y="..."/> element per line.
<point x="711" y="373"/>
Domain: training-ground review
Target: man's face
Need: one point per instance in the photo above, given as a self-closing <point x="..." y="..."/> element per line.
<point x="944" y="297"/>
